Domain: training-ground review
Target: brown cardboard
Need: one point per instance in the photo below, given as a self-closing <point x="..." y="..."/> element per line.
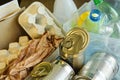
<point x="10" y="30"/>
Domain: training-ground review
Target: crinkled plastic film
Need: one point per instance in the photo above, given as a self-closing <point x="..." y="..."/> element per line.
<point x="100" y="43"/>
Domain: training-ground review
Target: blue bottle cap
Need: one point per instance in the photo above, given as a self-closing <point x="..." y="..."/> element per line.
<point x="95" y="15"/>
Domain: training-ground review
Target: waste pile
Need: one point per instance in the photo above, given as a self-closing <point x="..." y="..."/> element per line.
<point x="78" y="44"/>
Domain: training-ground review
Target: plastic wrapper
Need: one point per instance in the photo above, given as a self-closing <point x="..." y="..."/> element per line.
<point x="116" y="30"/>
<point x="34" y="53"/>
<point x="100" y="43"/>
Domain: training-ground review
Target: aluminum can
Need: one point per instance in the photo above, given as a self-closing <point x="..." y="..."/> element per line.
<point x="73" y="46"/>
<point x="60" y="71"/>
<point x="102" y="66"/>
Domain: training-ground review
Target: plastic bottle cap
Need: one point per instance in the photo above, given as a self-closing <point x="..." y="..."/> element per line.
<point x="95" y="15"/>
<point x="97" y="2"/>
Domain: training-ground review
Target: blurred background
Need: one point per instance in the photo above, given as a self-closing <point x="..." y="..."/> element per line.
<point x="47" y="3"/>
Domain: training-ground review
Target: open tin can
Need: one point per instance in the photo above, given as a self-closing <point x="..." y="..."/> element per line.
<point x="72" y="47"/>
<point x="102" y="66"/>
<point x="60" y="71"/>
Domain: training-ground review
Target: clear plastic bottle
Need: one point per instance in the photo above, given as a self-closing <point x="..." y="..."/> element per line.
<point x="93" y="22"/>
<point x="106" y="8"/>
<point x="64" y="9"/>
<point x="115" y="4"/>
<point x="111" y="9"/>
<point x="82" y="18"/>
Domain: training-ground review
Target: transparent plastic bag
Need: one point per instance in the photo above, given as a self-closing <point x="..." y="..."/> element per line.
<point x="113" y="47"/>
<point x="100" y="43"/>
<point x="116" y="30"/>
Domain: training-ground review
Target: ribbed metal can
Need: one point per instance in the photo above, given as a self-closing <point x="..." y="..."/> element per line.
<point x="73" y="46"/>
<point x="60" y="71"/>
<point x="102" y="66"/>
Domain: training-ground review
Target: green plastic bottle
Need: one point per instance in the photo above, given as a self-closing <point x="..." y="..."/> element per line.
<point x="104" y="7"/>
<point x="92" y="23"/>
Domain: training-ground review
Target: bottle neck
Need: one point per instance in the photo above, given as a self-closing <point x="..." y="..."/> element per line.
<point x="97" y="2"/>
<point x="95" y="15"/>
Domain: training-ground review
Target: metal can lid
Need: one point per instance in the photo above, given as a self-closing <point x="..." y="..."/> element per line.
<point x="75" y="41"/>
<point x="41" y="69"/>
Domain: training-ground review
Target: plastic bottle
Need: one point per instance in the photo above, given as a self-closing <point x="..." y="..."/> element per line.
<point x="111" y="9"/>
<point x="105" y="7"/>
<point x="64" y="9"/>
<point x="93" y="22"/>
<point x="116" y="29"/>
<point x="82" y="18"/>
<point x="115" y="4"/>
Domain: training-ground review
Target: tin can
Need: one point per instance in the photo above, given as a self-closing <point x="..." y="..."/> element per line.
<point x="60" y="71"/>
<point x="102" y="66"/>
<point x="40" y="71"/>
<point x="72" y="47"/>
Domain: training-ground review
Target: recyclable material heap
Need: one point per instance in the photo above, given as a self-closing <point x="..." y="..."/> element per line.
<point x="101" y="19"/>
<point x="82" y="44"/>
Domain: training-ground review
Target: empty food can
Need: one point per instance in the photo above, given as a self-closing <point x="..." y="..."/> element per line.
<point x="72" y="47"/>
<point x="60" y="71"/>
<point x="102" y="66"/>
<point x="39" y="71"/>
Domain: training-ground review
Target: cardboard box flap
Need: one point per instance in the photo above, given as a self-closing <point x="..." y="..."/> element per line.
<point x="8" y="9"/>
<point x="10" y="30"/>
